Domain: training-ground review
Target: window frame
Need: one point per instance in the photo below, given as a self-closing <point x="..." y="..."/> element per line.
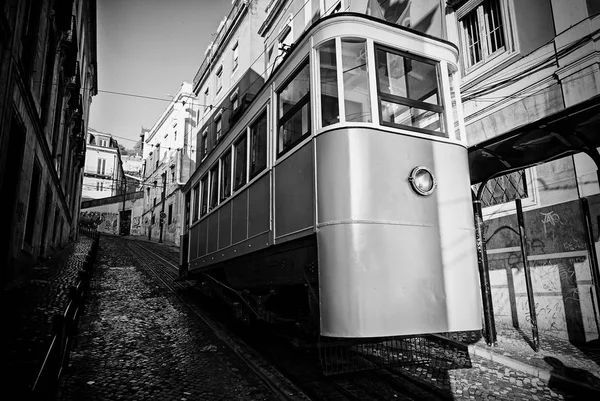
<point x="224" y="192"/>
<point x="304" y="101"/>
<point x="439" y="108"/>
<point x="213" y="184"/>
<point x="242" y="138"/>
<point x="196" y="202"/>
<point x="204" y="189"/>
<point x="235" y="55"/>
<point x="204" y="143"/>
<point x="219" y="79"/>
<point x="252" y="174"/>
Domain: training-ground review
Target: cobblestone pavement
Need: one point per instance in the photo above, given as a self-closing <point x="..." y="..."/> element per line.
<point x="27" y="309"/>
<point x="137" y="342"/>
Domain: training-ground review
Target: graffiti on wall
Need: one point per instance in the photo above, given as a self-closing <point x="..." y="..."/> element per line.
<point x="102" y="221"/>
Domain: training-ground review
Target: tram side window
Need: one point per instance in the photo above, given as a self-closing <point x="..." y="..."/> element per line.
<point x="226" y="176"/>
<point x="357" y="101"/>
<point x="330" y="110"/>
<point x="214" y="187"/>
<point x="187" y="209"/>
<point x="408" y="92"/>
<point x="258" y="145"/>
<point x="294" y="111"/>
<point x="240" y="163"/>
<point x="196" y="192"/>
<point x="204" y="193"/>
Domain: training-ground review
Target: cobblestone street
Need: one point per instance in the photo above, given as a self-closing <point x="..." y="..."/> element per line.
<point x="136" y="342"/>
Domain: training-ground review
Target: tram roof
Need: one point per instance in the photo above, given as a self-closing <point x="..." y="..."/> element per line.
<point x="569" y="131"/>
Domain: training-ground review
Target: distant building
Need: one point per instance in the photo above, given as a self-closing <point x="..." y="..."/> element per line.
<point x="133" y="165"/>
<point x="103" y="175"/>
<point x="47" y="79"/>
<point x="168" y="157"/>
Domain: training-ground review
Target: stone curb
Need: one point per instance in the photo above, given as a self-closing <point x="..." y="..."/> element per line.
<point x="543" y="374"/>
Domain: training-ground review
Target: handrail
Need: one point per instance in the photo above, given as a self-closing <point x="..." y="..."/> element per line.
<point x="64" y="326"/>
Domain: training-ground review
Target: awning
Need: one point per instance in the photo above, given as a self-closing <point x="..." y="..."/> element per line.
<point x="569" y="131"/>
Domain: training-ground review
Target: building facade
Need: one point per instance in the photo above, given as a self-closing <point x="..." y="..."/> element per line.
<point x="103" y="174"/>
<point x="168" y="157"/>
<point x="48" y="76"/>
<point x="530" y="84"/>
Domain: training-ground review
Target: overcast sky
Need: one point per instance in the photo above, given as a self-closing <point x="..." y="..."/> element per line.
<point x="147" y="48"/>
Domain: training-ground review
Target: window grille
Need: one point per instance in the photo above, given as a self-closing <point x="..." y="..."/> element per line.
<point x="504" y="189"/>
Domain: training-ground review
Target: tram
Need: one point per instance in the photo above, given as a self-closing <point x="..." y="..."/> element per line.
<point x="340" y="199"/>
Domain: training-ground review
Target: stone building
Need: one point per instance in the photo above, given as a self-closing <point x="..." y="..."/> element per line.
<point x="530" y="81"/>
<point x="167" y="154"/>
<point x="48" y="76"/>
<point x="103" y="175"/>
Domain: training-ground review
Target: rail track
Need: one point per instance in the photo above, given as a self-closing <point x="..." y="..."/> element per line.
<point x="293" y="373"/>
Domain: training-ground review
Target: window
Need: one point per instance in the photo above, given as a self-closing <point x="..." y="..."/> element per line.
<point x="240" y="163"/>
<point x="330" y="113"/>
<point x="196" y="192"/>
<point x="218" y="127"/>
<point x="204" y="143"/>
<point x="206" y="100"/>
<point x="101" y="166"/>
<point x="294" y="111"/>
<point x="357" y="102"/>
<point x="482" y="31"/>
<point x="204" y="199"/>
<point x="103" y="142"/>
<point x="152" y="219"/>
<point x="226" y="176"/>
<point x="170" y="215"/>
<point x="504" y="189"/>
<point x="214" y="187"/>
<point x="408" y="92"/>
<point x="157" y="155"/>
<point x="154" y="201"/>
<point x="235" y="56"/>
<point x="234" y="99"/>
<point x="188" y="204"/>
<point x="99" y="186"/>
<point x="219" y="78"/>
<point x="258" y="145"/>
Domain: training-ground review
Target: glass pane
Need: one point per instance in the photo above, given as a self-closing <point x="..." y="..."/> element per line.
<point x="204" y="185"/>
<point x="411" y="116"/>
<point x="294" y="91"/>
<point x="330" y="113"/>
<point x="471" y="31"/>
<point x="226" y="176"/>
<point x="214" y="187"/>
<point x="196" y="202"/>
<point x="258" y="145"/>
<point x="240" y="164"/>
<point x="293" y="129"/>
<point x="494" y="28"/>
<point x="401" y="76"/>
<point x="356" y="80"/>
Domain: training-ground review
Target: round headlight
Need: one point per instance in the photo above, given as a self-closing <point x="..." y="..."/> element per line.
<point x="422" y="180"/>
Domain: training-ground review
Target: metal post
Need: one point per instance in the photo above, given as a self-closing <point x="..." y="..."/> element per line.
<point x="585" y="207"/>
<point x="529" y="285"/>
<point x="484" y="277"/>
<point x="162" y="208"/>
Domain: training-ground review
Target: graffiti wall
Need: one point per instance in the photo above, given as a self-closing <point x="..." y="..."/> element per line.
<point x="106" y="218"/>
<point x="558" y="259"/>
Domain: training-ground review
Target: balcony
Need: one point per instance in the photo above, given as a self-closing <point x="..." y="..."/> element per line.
<point x="74" y="87"/>
<point x="69" y="49"/>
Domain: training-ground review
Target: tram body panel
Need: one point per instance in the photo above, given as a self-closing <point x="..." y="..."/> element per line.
<point x="384" y="251"/>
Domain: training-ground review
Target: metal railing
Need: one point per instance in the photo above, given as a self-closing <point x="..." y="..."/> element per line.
<point x="64" y="326"/>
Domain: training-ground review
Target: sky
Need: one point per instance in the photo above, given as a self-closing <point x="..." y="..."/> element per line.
<point x="147" y="48"/>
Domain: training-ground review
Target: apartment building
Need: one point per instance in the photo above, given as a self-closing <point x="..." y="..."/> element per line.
<point x="168" y="154"/>
<point x="103" y="174"/>
<point x="530" y="81"/>
<point x="47" y="79"/>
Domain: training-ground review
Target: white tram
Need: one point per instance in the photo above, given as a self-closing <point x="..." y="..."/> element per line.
<point x="340" y="198"/>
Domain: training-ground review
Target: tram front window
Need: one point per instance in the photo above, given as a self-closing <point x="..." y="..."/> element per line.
<point x="408" y="92"/>
<point x="357" y="102"/>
